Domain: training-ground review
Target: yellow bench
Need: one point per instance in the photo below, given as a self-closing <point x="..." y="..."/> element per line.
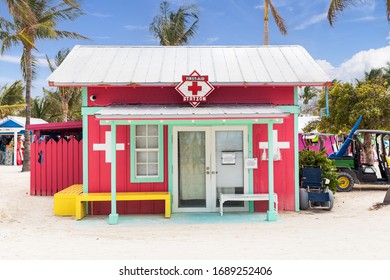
<point x="65" y="200"/>
<point x="82" y="198"/>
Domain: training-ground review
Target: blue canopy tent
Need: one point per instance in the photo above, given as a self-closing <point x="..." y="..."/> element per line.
<point x="14" y="126"/>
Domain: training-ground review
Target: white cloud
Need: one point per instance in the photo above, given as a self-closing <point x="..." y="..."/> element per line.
<point x="15" y="59"/>
<point x="259" y="7"/>
<point x="136" y="27"/>
<point x="359" y="63"/>
<point x="212" y="40"/>
<point x="10" y="59"/>
<point x="313" y="20"/>
<point x="99" y="15"/>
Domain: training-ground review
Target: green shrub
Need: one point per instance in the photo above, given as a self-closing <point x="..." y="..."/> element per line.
<point x="319" y="159"/>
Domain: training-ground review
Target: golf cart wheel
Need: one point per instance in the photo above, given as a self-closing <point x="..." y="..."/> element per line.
<point x="344" y="182"/>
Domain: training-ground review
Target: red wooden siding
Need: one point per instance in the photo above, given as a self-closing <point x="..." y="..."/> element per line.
<point x="99" y="173"/>
<point x="60" y="168"/>
<point x="281" y="95"/>
<point x="284" y="172"/>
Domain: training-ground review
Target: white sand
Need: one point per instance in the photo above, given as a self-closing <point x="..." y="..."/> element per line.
<point x="29" y="230"/>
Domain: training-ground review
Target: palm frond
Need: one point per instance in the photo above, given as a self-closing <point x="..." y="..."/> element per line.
<point x="278" y="19"/>
<point x="13" y="94"/>
<point x="335" y="7"/>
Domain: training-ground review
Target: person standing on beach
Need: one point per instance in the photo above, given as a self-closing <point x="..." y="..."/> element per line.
<point x="2" y="150"/>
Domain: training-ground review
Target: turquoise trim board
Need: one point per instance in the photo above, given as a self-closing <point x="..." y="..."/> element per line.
<point x="292" y="109"/>
<point x="113" y="218"/>
<point x="160" y="177"/>
<point x="271" y="213"/>
<point x="250" y="171"/>
<point x="170" y="162"/>
<point x="84" y="96"/>
<point x="90" y="110"/>
<point x="296" y="152"/>
<point x="296" y="163"/>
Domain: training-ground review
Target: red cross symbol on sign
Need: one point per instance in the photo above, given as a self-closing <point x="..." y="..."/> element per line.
<point x="194" y="88"/>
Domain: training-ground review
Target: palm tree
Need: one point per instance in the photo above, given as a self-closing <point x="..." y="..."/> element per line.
<point x="171" y="28"/>
<point x="337" y="6"/>
<point x="11" y="99"/>
<point x="69" y="99"/>
<point x="42" y="108"/>
<point x="278" y="20"/>
<point x="34" y="20"/>
<point x="308" y="94"/>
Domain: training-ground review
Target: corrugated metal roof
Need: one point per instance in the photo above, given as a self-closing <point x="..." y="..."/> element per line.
<point x="129" y="65"/>
<point x="188" y="112"/>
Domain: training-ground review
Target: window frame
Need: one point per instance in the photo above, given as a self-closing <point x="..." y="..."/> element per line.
<point x="160" y="157"/>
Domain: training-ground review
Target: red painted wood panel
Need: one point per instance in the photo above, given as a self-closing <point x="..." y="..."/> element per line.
<point x="100" y="181"/>
<point x="60" y="168"/>
<point x="53" y="168"/>
<point x="33" y="166"/>
<point x="284" y="173"/>
<point x="281" y="95"/>
<point x="48" y="166"/>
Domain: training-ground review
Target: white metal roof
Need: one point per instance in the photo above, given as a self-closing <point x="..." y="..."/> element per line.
<point x="188" y="112"/>
<point x="135" y="65"/>
<point x="22" y="120"/>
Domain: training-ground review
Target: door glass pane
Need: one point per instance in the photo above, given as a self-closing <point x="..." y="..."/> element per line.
<point x="229" y="165"/>
<point x="192" y="169"/>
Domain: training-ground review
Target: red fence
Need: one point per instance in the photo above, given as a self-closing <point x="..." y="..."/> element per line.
<point x="55" y="166"/>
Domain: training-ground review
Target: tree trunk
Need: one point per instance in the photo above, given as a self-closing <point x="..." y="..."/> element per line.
<point x="26" y="161"/>
<point x="368" y="149"/>
<point x="266" y="28"/>
<point x="65" y="110"/>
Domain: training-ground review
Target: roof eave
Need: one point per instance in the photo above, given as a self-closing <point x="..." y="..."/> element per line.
<point x="215" y="84"/>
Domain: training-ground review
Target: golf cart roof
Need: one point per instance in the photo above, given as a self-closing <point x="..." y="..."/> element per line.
<point x="372" y="131"/>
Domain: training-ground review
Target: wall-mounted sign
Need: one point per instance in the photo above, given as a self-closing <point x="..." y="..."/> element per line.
<point x="194" y="88"/>
<point x="228" y="158"/>
<point x="251" y="163"/>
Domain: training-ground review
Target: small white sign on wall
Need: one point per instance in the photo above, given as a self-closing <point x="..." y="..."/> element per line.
<point x="228" y="158"/>
<point x="251" y="163"/>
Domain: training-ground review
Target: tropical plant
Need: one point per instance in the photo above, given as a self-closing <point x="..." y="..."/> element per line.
<point x="319" y="159"/>
<point x="68" y="98"/>
<point x="33" y="20"/>
<point x="347" y="102"/>
<point x="337" y="6"/>
<point x="73" y="104"/>
<point x="11" y="99"/>
<point x="308" y="94"/>
<point x="175" y="28"/>
<point x="277" y="18"/>
<point x="42" y="108"/>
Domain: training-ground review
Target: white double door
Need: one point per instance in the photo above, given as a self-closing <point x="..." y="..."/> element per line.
<point x="208" y="161"/>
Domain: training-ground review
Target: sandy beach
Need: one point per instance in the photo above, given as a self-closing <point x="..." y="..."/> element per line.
<point x="353" y="230"/>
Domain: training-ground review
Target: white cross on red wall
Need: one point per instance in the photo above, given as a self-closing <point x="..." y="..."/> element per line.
<point x="107" y="146"/>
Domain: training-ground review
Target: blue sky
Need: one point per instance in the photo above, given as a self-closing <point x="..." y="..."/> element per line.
<point x="359" y="40"/>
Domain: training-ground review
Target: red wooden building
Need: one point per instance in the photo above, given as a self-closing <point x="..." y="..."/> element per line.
<point x="56" y="157"/>
<point x="193" y="121"/>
